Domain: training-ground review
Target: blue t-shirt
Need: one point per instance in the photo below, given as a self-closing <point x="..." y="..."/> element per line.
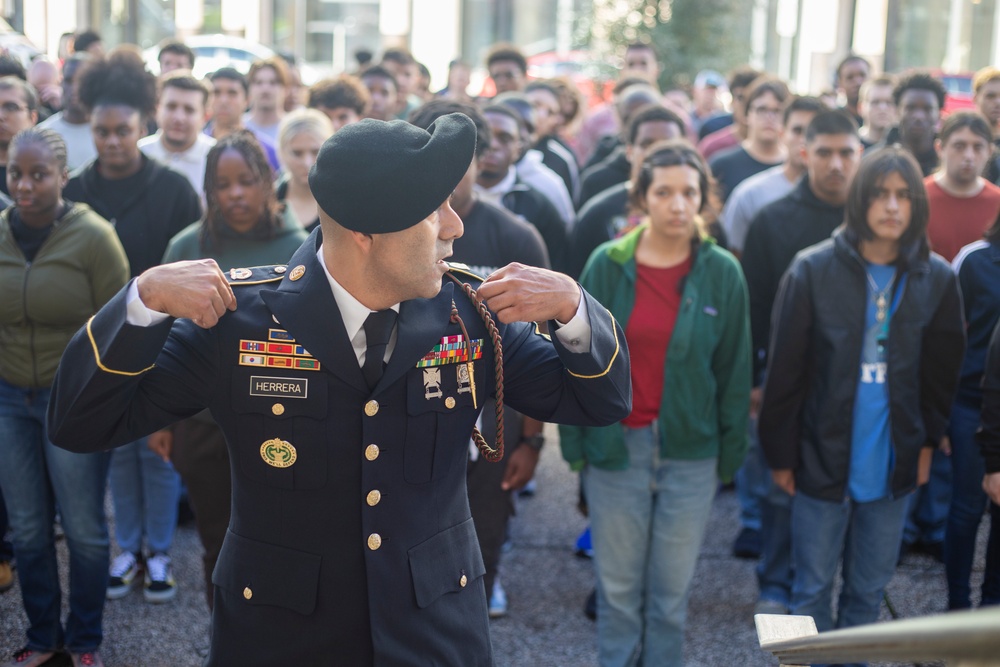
<point x="872" y="456"/>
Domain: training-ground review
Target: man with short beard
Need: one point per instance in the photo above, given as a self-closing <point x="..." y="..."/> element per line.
<point x="181" y="115"/>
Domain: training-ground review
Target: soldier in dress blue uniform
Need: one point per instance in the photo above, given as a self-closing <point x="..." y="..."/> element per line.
<point x="347" y="393"/>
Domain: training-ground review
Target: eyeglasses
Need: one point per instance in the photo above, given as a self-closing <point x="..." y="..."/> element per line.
<point x="12" y="108"/>
<point x="772" y="112"/>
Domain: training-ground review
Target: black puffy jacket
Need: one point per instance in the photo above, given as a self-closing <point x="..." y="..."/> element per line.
<point x="812" y="375"/>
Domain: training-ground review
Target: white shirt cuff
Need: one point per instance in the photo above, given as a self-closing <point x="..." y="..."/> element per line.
<point x="137" y="314"/>
<point x="575" y="334"/>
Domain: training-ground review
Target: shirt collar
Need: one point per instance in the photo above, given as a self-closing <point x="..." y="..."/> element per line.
<point x="193" y="155"/>
<point x="501" y="188"/>
<point x="353" y="312"/>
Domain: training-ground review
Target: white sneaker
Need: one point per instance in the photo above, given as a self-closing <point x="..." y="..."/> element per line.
<point x="160" y="584"/>
<point x="498" y="600"/>
<point x="125" y="569"/>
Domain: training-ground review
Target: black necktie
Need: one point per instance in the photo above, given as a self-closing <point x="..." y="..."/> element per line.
<point x="378" y="329"/>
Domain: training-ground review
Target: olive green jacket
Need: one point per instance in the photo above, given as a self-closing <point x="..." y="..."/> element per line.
<point x="706" y="382"/>
<point x="79" y="267"/>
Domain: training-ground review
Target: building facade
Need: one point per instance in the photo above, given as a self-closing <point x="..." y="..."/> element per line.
<point x="801" y="40"/>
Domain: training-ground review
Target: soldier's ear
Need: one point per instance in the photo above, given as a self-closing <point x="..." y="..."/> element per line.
<point x="363" y="241"/>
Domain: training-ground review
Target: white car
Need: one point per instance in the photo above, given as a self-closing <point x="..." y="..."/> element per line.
<point x="214" y="52"/>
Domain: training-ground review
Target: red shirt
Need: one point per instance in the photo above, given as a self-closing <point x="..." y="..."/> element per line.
<point x="719" y="141"/>
<point x="657" y="301"/>
<point x="958" y="221"/>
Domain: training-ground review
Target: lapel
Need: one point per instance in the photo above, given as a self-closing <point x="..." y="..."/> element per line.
<point x="421" y="324"/>
<point x="307" y="310"/>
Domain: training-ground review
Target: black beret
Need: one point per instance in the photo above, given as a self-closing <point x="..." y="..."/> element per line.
<point x="378" y="177"/>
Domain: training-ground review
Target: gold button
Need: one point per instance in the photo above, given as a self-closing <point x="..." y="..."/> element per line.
<point x="371" y="452"/>
<point x="371" y="408"/>
<point x="280" y="269"/>
<point x="374" y="497"/>
<point x="297" y="272"/>
<point x="278" y="409"/>
<point x="449" y="402"/>
<point x="374" y="541"/>
<point x="463" y="581"/>
<point x="247" y="593"/>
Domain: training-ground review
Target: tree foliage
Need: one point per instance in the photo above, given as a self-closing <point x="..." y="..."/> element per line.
<point x="688" y="35"/>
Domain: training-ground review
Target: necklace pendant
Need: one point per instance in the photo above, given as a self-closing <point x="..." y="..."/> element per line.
<point x="880" y="315"/>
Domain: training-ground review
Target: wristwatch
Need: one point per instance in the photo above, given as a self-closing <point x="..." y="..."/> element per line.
<point x="536" y="442"/>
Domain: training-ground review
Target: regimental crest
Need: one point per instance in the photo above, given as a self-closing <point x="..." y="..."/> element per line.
<point x="278" y="453"/>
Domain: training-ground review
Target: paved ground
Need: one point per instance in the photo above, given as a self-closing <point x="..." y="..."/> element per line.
<point x="545" y="582"/>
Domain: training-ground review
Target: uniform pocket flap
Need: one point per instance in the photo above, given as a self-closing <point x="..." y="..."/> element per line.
<point x="265" y="574"/>
<point x="446" y="563"/>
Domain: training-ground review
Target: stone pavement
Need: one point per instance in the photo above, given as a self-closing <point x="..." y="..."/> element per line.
<point x="545" y="583"/>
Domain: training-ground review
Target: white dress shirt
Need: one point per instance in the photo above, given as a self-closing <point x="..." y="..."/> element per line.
<point x="191" y="162"/>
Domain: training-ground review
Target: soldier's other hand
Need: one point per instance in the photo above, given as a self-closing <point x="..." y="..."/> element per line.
<point x="197" y="290"/>
<point x="520" y="468"/>
<point x="519" y="293"/>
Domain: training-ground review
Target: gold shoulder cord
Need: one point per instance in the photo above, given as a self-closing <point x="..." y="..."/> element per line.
<point x="489" y="453"/>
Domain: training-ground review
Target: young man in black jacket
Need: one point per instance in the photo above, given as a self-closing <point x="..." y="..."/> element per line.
<point x="865" y="356"/>
<point x="807" y="215"/>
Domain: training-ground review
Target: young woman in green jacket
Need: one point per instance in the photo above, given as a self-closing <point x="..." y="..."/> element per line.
<point x="59" y="263"/>
<point x="650" y="480"/>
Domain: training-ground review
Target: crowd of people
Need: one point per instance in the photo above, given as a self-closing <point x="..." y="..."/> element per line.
<point x="808" y="289"/>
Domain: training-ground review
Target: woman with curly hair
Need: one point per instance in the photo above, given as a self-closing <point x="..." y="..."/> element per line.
<point x="244" y="226"/>
<point x="148" y="204"/>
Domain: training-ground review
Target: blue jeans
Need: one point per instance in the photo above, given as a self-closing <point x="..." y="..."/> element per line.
<point x="865" y="535"/>
<point x="753" y="481"/>
<point x="35" y="475"/>
<point x="774" y="571"/>
<point x="928" y="507"/>
<point x="145" y="491"/>
<point x="6" y="548"/>
<point x="647" y="524"/>
<point x="968" y="503"/>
